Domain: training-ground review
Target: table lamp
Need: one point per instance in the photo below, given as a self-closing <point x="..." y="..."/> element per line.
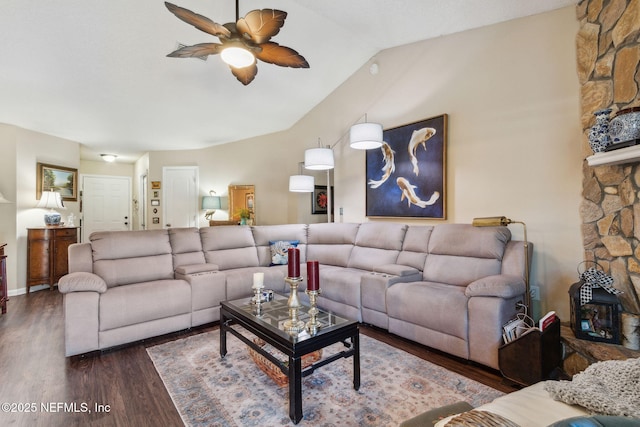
<point x="51" y="200"/>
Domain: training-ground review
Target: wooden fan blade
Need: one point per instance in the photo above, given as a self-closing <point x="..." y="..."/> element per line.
<point x="245" y="75"/>
<point x="200" y="22"/>
<point x="197" y="50"/>
<point x="283" y="56"/>
<point x="261" y="25"/>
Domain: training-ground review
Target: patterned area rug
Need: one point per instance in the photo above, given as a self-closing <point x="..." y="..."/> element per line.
<point x="395" y="386"/>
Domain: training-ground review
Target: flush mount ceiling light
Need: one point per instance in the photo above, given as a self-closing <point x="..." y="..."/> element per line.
<point x="109" y="157"/>
<point x="241" y="42"/>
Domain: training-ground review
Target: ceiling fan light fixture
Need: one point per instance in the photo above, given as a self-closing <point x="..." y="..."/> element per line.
<point x="365" y="136"/>
<point x="237" y="57"/>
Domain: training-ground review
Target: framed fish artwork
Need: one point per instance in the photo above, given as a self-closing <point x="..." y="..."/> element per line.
<point x="406" y="177"/>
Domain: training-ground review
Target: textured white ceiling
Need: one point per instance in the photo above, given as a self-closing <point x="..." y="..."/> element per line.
<point x="96" y="72"/>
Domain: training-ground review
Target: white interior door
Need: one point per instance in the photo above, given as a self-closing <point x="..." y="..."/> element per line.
<point x="180" y="191"/>
<point x="106" y="204"/>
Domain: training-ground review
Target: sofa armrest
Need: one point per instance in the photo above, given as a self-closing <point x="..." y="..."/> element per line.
<point x="396" y="270"/>
<point x="81" y="281"/>
<point x="184" y="270"/>
<point x="501" y="286"/>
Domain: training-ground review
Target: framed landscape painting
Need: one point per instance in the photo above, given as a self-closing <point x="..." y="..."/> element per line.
<point x="406" y="176"/>
<point x="57" y="178"/>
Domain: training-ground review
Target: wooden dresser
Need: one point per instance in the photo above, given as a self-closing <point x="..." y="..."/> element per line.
<point x="47" y="254"/>
<point x="3" y="279"/>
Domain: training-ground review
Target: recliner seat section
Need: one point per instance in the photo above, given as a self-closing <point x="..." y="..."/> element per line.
<point x="450" y="286"/>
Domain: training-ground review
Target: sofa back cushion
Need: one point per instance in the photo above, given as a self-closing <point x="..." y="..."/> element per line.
<point x="264" y="234"/>
<point x="415" y="246"/>
<point x="186" y="247"/>
<point x="331" y="243"/>
<point x="124" y="257"/>
<point x="462" y="253"/>
<point x="377" y="243"/>
<point x="229" y="246"/>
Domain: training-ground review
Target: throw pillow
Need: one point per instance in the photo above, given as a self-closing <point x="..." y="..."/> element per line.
<point x="279" y="250"/>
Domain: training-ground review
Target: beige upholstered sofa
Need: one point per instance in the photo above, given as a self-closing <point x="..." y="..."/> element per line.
<point x="450" y="286"/>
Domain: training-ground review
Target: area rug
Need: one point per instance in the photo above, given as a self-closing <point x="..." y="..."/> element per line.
<point x="395" y="386"/>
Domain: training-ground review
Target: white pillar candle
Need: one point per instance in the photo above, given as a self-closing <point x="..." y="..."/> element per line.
<point x="258" y="280"/>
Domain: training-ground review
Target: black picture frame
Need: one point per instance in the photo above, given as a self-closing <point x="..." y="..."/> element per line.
<point x="319" y="200"/>
<point x="406" y="177"/>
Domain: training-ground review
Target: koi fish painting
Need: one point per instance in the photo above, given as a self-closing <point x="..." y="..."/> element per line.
<point x="406" y="176"/>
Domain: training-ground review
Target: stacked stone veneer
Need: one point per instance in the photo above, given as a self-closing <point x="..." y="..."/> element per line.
<point x="608" y="63"/>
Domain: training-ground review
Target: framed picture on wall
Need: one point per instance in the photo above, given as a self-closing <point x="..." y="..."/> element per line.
<point x="406" y="176"/>
<point x="57" y="178"/>
<point x="319" y="200"/>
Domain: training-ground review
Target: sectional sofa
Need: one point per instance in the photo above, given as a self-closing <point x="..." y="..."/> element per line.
<point x="449" y="286"/>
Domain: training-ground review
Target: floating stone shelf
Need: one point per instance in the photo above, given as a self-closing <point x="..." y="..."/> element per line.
<point x="616" y="157"/>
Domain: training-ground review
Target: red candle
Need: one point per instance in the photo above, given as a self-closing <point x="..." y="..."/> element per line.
<point x="313" y="276"/>
<point x="294" y="262"/>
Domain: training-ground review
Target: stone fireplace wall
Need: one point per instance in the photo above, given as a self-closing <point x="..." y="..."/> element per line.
<point x="608" y="54"/>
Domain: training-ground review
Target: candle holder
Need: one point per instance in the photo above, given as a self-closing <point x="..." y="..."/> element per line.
<point x="294" y="324"/>
<point x="313" y="325"/>
<point x="256" y="300"/>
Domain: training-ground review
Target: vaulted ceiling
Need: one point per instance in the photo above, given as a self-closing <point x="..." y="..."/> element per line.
<point x="96" y="72"/>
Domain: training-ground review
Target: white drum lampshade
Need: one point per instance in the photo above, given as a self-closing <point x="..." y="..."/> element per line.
<point x="319" y="159"/>
<point x="301" y="183"/>
<point x="365" y="136"/>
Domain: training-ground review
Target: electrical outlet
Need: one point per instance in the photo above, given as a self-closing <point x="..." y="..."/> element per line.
<point x="534" y="291"/>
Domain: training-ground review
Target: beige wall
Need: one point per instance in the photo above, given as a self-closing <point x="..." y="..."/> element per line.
<point x="26" y="148"/>
<point x="88" y="167"/>
<point x="511" y="93"/>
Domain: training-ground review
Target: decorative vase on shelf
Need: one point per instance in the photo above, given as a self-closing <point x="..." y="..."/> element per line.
<point x="599" y="134"/>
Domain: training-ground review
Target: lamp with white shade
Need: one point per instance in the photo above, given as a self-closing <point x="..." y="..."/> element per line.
<point x="210" y="203"/>
<point x="301" y="183"/>
<point x="365" y="136"/>
<point x="51" y="200"/>
<point x="362" y="136"/>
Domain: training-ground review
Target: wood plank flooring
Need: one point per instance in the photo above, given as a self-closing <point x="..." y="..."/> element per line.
<point x="35" y="375"/>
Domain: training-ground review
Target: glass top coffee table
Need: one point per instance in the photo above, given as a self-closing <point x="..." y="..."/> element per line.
<point x="268" y="326"/>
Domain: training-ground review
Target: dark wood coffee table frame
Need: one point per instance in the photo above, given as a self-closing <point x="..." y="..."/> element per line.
<point x="292" y="345"/>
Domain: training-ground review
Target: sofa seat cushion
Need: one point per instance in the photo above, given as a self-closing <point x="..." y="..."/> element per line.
<point x="435" y="306"/>
<point x="341" y="285"/>
<point x="143" y="302"/>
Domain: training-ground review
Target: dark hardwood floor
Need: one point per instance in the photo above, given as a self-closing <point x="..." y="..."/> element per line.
<point x="49" y="389"/>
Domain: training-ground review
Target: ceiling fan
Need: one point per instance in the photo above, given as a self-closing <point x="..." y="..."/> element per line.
<point x="242" y="42"/>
